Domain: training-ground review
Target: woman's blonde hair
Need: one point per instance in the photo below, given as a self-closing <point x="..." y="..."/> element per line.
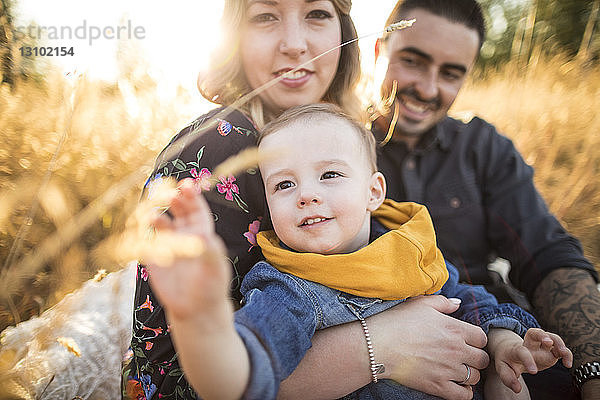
<point x="224" y="81"/>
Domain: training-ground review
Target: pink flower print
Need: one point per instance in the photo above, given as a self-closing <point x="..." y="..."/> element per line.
<point x="228" y="187"/>
<point x="147" y="304"/>
<point x="251" y="234"/>
<point x="149" y="345"/>
<point x="224" y="127"/>
<point x="157" y="331"/>
<point x="201" y="179"/>
<point x="144" y="273"/>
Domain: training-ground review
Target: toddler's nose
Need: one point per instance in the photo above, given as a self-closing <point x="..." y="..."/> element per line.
<point x="306" y="199"/>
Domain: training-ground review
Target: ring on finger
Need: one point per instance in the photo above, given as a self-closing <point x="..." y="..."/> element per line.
<point x="468" y="375"/>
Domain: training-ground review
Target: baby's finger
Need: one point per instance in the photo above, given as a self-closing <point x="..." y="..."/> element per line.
<point x="547" y="343"/>
<point x="533" y="337"/>
<point x="560" y="350"/>
<point x="186" y="184"/>
<point x="192" y="211"/>
<point x="558" y="342"/>
<point x="508" y="376"/>
<point x="184" y="203"/>
<point x="526" y="359"/>
<point x="204" y="217"/>
<point x="187" y="189"/>
<point x="567" y="357"/>
<point x="162" y="222"/>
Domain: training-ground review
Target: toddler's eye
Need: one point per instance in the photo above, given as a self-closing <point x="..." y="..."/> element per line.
<point x="330" y="175"/>
<point x="284" y="185"/>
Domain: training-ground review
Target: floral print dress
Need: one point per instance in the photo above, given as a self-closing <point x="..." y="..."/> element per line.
<point x="151" y="370"/>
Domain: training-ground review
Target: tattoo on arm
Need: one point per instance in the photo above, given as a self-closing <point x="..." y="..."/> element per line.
<point x="567" y="302"/>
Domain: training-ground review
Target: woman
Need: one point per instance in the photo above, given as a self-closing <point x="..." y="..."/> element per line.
<point x="263" y="40"/>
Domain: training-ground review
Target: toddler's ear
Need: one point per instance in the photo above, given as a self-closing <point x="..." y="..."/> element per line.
<point x="377" y="190"/>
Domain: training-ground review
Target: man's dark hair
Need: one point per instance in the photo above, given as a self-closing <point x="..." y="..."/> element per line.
<point x="466" y="12"/>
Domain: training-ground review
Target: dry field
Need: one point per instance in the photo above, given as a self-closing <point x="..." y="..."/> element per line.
<point x="550" y="110"/>
<point x="75" y="154"/>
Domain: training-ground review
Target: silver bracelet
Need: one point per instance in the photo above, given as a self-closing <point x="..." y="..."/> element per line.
<point x="376" y="368"/>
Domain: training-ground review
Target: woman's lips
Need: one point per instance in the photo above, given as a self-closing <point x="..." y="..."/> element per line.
<point x="294" y="79"/>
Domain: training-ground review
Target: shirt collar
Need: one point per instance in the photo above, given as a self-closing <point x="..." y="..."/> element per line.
<point x="438" y="135"/>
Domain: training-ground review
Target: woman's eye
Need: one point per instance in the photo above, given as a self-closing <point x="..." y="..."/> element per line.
<point x="319" y="14"/>
<point x="265" y="17"/>
<point x="284" y="185"/>
<point x="330" y="175"/>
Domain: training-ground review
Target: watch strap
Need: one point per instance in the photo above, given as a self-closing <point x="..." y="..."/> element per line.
<point x="585" y="372"/>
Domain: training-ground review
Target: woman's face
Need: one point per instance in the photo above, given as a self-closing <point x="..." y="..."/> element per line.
<point x="279" y="35"/>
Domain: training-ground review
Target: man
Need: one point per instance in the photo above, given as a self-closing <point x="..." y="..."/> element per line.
<point x="477" y="187"/>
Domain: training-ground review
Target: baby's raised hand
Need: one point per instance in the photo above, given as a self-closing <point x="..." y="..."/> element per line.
<point x="537" y="351"/>
<point x="193" y="274"/>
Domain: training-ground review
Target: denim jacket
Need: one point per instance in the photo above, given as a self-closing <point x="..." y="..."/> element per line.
<point x="281" y="313"/>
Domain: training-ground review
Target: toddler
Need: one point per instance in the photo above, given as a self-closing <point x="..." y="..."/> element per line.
<point x="339" y="252"/>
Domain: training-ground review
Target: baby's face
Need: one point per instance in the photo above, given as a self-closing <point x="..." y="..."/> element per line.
<point x="319" y="188"/>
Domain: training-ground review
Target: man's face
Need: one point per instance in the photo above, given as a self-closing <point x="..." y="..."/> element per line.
<point x="430" y="62"/>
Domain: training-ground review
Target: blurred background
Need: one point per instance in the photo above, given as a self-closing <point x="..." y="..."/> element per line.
<point x="79" y="134"/>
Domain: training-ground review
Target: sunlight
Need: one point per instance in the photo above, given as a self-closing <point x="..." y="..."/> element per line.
<point x="171" y="42"/>
<point x="176" y="38"/>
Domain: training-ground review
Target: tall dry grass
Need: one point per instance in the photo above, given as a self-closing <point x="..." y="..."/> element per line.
<point x="550" y="110"/>
<point x="67" y="142"/>
<point x="74" y="156"/>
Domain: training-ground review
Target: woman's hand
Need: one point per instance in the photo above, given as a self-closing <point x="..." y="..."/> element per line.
<point x="427" y="350"/>
<point x="421" y="347"/>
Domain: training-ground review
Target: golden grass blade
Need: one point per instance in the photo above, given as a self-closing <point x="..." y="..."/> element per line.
<point x="11" y="278"/>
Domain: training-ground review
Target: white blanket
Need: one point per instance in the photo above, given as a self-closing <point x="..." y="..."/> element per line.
<point x="94" y="321"/>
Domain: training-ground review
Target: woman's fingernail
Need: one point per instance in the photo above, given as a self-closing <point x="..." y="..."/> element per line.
<point x="455" y="300"/>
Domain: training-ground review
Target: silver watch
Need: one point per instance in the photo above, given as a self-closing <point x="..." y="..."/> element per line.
<point x="585" y="372"/>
